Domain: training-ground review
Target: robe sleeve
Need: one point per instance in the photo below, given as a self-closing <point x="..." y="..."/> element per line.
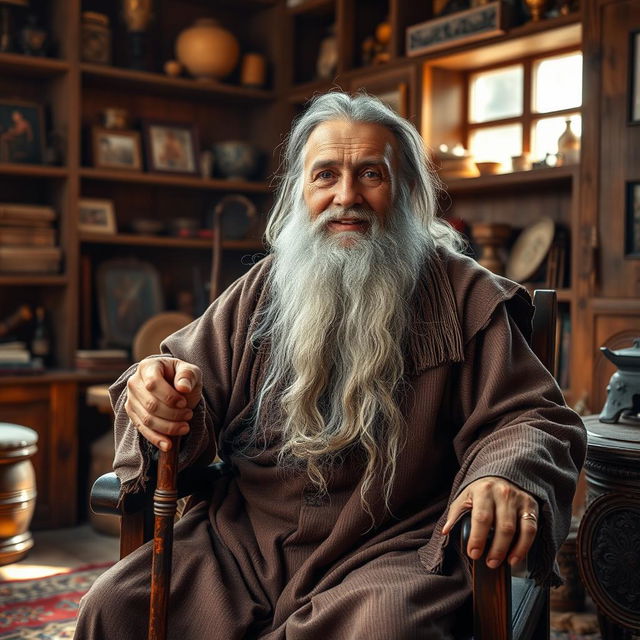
<point x="516" y="425"/>
<point x="217" y="343"/>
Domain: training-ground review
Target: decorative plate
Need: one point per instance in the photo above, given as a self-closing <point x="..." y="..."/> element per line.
<point x="530" y="249"/>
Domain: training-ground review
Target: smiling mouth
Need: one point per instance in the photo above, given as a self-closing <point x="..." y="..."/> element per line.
<point x="348" y="224"/>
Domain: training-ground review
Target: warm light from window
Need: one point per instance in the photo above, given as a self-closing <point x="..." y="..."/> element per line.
<point x="557" y="83"/>
<point x="496" y="94"/>
<point x="496" y="144"/>
<point x="546" y="131"/>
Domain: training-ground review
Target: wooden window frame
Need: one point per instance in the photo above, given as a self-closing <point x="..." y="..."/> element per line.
<point x="528" y="117"/>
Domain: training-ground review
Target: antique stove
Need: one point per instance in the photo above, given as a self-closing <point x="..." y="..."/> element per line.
<point x="609" y="533"/>
<point x="623" y="391"/>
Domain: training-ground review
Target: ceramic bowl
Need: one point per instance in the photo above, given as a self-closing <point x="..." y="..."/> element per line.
<point x="236" y="160"/>
<point x="489" y="168"/>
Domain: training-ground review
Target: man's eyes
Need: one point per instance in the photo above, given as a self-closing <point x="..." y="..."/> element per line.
<point x="366" y="174"/>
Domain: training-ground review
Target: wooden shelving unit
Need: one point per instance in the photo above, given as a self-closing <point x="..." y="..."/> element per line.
<point x="33" y="170"/>
<point x="160" y="84"/>
<point x="514" y="180"/>
<point x="168" y="180"/>
<point x="34" y="66"/>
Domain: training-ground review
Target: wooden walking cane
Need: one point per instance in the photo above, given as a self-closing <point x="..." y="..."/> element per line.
<point x="165" y="500"/>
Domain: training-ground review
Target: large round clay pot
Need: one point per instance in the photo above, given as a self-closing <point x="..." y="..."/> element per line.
<point x="207" y="51"/>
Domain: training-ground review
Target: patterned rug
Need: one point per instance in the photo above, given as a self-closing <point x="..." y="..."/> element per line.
<point x="44" y="608"/>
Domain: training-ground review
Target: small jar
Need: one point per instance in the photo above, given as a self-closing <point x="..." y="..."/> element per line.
<point x="253" y="70"/>
<point x="95" y="38"/>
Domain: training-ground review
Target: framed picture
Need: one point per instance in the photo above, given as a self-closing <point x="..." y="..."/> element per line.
<point x="457" y="28"/>
<point x="115" y="149"/>
<point x="97" y="216"/>
<point x="632" y="221"/>
<point x="21" y="132"/>
<point x="171" y="147"/>
<point x="634" y="73"/>
<point x="129" y="293"/>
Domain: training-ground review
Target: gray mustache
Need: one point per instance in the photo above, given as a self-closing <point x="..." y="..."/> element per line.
<point x="356" y="213"/>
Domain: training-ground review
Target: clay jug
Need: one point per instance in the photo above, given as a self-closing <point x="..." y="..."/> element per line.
<point x="207" y="51"/>
<point x="568" y="146"/>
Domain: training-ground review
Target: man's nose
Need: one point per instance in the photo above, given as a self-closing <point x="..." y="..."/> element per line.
<point x="347" y="193"/>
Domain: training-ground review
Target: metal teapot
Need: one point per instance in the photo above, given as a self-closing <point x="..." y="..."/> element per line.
<point x="623" y="390"/>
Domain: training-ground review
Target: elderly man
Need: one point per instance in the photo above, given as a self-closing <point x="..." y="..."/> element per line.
<point x="367" y="384"/>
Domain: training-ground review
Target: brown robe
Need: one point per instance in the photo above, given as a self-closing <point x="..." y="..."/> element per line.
<point x="266" y="557"/>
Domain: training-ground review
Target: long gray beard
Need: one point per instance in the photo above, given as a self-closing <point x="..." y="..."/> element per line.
<point x="337" y="322"/>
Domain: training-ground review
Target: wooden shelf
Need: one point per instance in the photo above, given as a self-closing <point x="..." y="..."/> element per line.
<point x="243" y="245"/>
<point x="58" y="375"/>
<point x="160" y="84"/>
<point x="168" y="241"/>
<point x="33" y="170"/>
<point x="32" y="279"/>
<point x="169" y="180"/>
<point x="32" y="65"/>
<point x="146" y="241"/>
<point x="564" y="295"/>
<point x="511" y="181"/>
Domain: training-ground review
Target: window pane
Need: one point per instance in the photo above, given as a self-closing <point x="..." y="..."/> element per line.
<point x="557" y="83"/>
<point x="496" y="144"/>
<point x="545" y="134"/>
<point x="496" y="94"/>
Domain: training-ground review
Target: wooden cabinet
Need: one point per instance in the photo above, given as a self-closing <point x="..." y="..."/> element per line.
<point x="609" y="274"/>
<point x="48" y="406"/>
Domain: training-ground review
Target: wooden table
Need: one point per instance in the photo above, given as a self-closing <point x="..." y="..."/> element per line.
<point x="609" y="534"/>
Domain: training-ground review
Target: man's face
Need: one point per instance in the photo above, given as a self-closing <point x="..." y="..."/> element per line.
<point x="349" y="166"/>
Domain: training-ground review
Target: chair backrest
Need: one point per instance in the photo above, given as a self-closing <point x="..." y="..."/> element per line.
<point x="496" y="613"/>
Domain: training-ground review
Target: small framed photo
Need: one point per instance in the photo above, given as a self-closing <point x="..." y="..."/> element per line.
<point x="171" y="147"/>
<point x="21" y="132"/>
<point x="632" y="221"/>
<point x="97" y="216"/>
<point x="634" y="73"/>
<point x="116" y="149"/>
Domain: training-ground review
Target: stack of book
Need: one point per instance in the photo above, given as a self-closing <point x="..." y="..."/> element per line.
<point x="28" y="239"/>
<point x="16" y="358"/>
<point x="102" y="360"/>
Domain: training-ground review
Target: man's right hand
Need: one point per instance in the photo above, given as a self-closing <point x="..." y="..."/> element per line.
<point x="161" y="396"/>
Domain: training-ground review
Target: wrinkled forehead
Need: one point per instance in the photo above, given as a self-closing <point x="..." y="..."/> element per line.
<point x="350" y="143"/>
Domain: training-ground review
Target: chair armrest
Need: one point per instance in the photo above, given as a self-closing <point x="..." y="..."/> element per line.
<point x="105" y="492"/>
<point x="504" y="607"/>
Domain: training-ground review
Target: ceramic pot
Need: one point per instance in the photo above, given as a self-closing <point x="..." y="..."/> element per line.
<point x="207" y="51"/>
<point x="137" y="14"/>
<point x="236" y="160"/>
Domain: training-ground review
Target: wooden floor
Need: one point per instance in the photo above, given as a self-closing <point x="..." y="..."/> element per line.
<point x="60" y="550"/>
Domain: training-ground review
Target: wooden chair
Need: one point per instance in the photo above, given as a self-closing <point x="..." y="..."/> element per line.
<point x="504" y="607"/>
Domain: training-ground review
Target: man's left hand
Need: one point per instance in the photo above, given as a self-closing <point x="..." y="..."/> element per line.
<point x="495" y="502"/>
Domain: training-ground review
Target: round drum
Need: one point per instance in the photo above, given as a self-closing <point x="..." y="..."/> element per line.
<point x="17" y="490"/>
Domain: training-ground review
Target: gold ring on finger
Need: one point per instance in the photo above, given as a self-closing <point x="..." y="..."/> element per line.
<point x="529" y="515"/>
